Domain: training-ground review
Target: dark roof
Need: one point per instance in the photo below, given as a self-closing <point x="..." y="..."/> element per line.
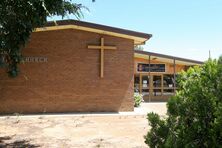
<point x="167" y="56"/>
<point x="100" y="27"/>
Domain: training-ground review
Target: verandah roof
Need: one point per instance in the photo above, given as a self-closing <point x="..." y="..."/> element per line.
<point x="165" y="58"/>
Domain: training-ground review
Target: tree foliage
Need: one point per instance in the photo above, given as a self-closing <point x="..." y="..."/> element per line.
<point x="18" y="18"/>
<point x="138" y="99"/>
<point x="194" y="116"/>
<point x="139" y="47"/>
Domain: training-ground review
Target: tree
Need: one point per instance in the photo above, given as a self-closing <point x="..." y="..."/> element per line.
<point x="220" y="60"/>
<point x="18" y="18"/>
<point x="194" y="114"/>
<point x="139" y="47"/>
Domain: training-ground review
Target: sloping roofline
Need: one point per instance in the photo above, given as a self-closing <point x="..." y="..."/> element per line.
<point x="141" y="37"/>
<point x="98" y="26"/>
<point x="168" y="57"/>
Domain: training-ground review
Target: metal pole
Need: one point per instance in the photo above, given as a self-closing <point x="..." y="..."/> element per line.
<point x="149" y="81"/>
<point x="174" y="75"/>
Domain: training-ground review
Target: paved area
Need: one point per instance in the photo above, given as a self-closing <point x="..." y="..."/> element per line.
<point x="112" y="130"/>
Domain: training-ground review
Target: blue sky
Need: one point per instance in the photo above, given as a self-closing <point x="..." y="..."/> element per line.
<point x="184" y="28"/>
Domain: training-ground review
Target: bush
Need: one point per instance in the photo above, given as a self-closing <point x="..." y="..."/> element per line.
<point x="138" y="98"/>
<point x="194" y="114"/>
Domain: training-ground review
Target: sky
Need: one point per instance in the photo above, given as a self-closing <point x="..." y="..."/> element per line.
<point x="183" y="28"/>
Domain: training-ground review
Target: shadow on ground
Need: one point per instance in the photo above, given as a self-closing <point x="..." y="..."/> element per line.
<point x="8" y="142"/>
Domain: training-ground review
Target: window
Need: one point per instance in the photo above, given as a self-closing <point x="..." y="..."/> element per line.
<point x="168" y="80"/>
<point x="136" y="83"/>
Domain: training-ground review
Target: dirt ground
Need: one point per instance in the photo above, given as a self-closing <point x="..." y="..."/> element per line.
<point x="112" y="130"/>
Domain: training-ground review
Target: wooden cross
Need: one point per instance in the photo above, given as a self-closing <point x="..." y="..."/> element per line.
<point x="102" y="47"/>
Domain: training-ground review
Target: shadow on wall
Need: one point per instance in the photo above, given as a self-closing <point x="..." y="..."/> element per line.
<point x="7" y="141"/>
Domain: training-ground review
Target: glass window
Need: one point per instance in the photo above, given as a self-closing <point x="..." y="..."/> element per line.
<point x="145" y="81"/>
<point x="136" y="83"/>
<point x="168" y="80"/>
<point x="156" y="81"/>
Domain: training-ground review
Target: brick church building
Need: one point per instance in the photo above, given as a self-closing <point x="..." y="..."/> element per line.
<point x="77" y="66"/>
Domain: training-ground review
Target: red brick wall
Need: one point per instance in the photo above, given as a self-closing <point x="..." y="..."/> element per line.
<point x="70" y="80"/>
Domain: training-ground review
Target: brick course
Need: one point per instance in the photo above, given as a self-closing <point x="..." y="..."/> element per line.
<point x="70" y="80"/>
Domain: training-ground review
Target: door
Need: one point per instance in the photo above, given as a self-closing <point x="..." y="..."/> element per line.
<point x="156" y="85"/>
<point x="144" y="86"/>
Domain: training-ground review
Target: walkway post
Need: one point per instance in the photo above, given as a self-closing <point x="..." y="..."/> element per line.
<point x="149" y="80"/>
<point x="174" y="75"/>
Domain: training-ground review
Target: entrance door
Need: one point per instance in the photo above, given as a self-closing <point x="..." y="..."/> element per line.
<point x="151" y="86"/>
<point x="145" y="85"/>
<point x="156" y="86"/>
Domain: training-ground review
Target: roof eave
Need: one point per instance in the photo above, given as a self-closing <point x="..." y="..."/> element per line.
<point x="138" y="37"/>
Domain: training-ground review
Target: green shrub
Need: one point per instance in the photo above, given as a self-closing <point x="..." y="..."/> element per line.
<point x="194" y="114"/>
<point x="138" y="98"/>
